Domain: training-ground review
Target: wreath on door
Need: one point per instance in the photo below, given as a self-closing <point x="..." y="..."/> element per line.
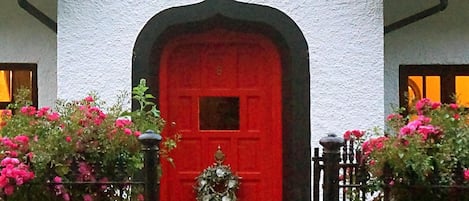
<point x="217" y="182"/>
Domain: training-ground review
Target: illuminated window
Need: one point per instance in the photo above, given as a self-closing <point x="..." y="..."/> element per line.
<point x="442" y="83"/>
<point x="14" y="76"/>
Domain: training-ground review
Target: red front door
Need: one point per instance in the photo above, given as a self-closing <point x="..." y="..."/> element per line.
<point x="223" y="88"/>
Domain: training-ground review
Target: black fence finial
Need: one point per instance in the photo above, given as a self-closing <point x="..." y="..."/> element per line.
<point x="331" y="156"/>
<point x="150" y="146"/>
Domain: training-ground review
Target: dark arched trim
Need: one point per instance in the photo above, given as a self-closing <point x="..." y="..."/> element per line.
<point x="295" y="70"/>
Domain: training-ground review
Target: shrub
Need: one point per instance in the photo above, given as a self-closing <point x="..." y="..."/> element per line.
<point x="78" y="141"/>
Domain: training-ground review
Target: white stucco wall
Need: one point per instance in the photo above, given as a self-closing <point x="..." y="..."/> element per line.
<point x="442" y="38"/>
<point x="23" y="39"/>
<point x="346" y="52"/>
<point x="96" y="38"/>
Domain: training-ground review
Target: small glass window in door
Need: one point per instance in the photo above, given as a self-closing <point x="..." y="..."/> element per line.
<point x="218" y="113"/>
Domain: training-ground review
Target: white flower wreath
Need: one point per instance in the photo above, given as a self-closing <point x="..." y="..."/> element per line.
<point x="217" y="183"/>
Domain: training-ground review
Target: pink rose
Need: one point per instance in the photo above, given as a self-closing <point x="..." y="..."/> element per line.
<point x="28" y="110"/>
<point x="393" y="116"/>
<point x="57" y="179"/>
<point x="87" y="197"/>
<point x="68" y="139"/>
<point x="89" y="99"/>
<point x="53" y="116"/>
<point x="42" y="111"/>
<point x="122" y="122"/>
<point x="3" y="181"/>
<point x="137" y="133"/>
<point x="66" y="197"/>
<point x="140" y="197"/>
<point x="454" y="106"/>
<point x="9" y="189"/>
<point x="358" y="134"/>
<point x="127" y="131"/>
<point x="22" y="139"/>
<point x="347" y="135"/>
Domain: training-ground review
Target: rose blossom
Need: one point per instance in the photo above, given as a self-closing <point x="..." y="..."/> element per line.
<point x="54" y="116"/>
<point x="57" y="179"/>
<point x="127" y="131"/>
<point x="394" y="116"/>
<point x="28" y="110"/>
<point x="454" y="106"/>
<point x="357" y="134"/>
<point x="9" y="189"/>
<point x="89" y="99"/>
<point x="122" y="122"/>
<point x="42" y="111"/>
<point x="87" y="197"/>
<point x="140" y="197"/>
<point x="137" y="133"/>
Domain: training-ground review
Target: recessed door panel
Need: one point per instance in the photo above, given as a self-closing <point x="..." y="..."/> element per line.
<point x="222" y="88"/>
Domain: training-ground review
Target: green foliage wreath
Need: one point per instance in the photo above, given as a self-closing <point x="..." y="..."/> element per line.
<point x="217" y="183"/>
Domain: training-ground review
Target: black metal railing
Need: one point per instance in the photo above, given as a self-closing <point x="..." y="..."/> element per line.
<point x="123" y="187"/>
<point x="338" y="174"/>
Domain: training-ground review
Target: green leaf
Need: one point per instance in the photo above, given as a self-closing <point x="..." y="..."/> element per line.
<point x="401" y="155"/>
<point x="149" y="96"/>
<point x="61" y="170"/>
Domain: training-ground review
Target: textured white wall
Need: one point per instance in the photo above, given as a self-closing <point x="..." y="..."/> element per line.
<point x="345" y="39"/>
<point x="95" y="43"/>
<point x="439" y="39"/>
<point x="23" y="39"/>
<point x="346" y="51"/>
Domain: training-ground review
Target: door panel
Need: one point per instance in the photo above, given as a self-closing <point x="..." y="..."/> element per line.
<point x="222" y="88"/>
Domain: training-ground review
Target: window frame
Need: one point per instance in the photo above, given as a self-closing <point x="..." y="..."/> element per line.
<point x="25" y="67"/>
<point x="447" y="75"/>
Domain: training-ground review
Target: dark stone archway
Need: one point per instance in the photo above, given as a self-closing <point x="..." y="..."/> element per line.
<point x="293" y="49"/>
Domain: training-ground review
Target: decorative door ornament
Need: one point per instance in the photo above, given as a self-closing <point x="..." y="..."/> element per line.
<point x="217" y="182"/>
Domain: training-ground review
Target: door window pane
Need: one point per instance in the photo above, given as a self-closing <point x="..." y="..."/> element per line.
<point x="219" y="113"/>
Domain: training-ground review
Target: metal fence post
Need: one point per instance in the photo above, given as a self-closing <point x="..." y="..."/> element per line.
<point x="331" y="156"/>
<point x="150" y="141"/>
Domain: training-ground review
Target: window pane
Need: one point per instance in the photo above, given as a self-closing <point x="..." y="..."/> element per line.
<point x="219" y="113"/>
<point x="462" y="90"/>
<point x="22" y="79"/>
<point x="432" y="89"/>
<point x="5" y="90"/>
<point x="14" y="76"/>
<point x="414" y="89"/>
<point x="423" y="87"/>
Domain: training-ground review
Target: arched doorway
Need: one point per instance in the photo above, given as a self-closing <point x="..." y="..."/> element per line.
<point x="223" y="89"/>
<point x="294" y="68"/>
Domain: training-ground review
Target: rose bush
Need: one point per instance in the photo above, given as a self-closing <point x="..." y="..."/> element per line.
<point x="422" y="156"/>
<point x="78" y="141"/>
